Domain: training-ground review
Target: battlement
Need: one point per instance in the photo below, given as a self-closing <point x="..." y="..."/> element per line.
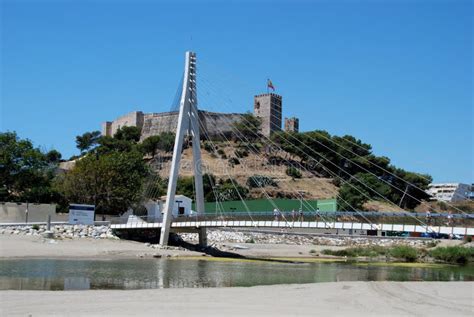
<point x="213" y="124"/>
<point x="270" y="94"/>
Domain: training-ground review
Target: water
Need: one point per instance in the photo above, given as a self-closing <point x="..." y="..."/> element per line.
<point x="49" y="274"/>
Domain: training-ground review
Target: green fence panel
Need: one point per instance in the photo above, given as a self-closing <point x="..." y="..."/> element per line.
<point x="267" y="205"/>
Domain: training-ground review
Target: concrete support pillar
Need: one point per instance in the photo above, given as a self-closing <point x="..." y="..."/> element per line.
<point x="188" y="125"/>
<point x="202" y="232"/>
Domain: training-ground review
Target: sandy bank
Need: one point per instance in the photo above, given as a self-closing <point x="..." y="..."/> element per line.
<point x="14" y="246"/>
<point x="330" y="299"/>
<point x="35" y="247"/>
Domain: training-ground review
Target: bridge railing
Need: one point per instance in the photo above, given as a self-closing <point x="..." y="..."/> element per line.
<point x="453" y="220"/>
<point x="375" y="217"/>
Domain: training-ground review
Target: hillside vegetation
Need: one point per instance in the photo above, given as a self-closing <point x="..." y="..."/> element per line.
<point x="118" y="173"/>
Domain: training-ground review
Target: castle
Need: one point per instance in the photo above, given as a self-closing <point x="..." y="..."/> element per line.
<point x="268" y="107"/>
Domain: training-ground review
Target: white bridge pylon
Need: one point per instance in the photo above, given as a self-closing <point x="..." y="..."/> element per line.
<point x="188" y="126"/>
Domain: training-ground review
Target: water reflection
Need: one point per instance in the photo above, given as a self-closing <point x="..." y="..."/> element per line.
<point x="40" y="274"/>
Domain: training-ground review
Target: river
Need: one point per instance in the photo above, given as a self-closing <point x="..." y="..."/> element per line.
<point x="51" y="274"/>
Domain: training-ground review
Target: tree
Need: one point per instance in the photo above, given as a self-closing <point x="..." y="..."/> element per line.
<point x="185" y="186"/>
<point x="155" y="187"/>
<point x="25" y="172"/>
<point x="131" y="134"/>
<point x="411" y="187"/>
<point x="109" y="144"/>
<point x="350" y="199"/>
<point x="113" y="181"/>
<point x="53" y="156"/>
<point x="87" y="141"/>
<point x="231" y="190"/>
<point x="248" y="127"/>
<point x="359" y="189"/>
<point x="150" y="145"/>
<point x="167" y="141"/>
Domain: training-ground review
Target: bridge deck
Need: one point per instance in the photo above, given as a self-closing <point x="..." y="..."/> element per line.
<point x="300" y="224"/>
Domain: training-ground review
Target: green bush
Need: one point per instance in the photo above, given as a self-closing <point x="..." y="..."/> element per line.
<point x="241" y="153"/>
<point x="409" y="254"/>
<point x="293" y="172"/>
<point x="455" y="254"/>
<point x="220" y="152"/>
<point x="234" y="161"/>
<point x="371" y="251"/>
<point x="35" y="227"/>
<point x="208" y="147"/>
<point x="432" y="243"/>
<point x="257" y="181"/>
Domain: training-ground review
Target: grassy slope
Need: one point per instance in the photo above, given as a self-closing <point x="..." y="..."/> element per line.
<point x="312" y="186"/>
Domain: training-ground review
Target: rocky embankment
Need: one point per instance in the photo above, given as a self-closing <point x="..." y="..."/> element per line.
<point x="61" y="231"/>
<point x="217" y="237"/>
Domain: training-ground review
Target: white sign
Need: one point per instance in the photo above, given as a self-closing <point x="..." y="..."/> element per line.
<point x="81" y="214"/>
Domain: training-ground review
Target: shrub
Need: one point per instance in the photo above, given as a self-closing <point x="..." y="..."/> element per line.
<point x="293" y="172"/>
<point x="220" y="152"/>
<point x="432" y="243"/>
<point x="208" y="147"/>
<point x="371" y="251"/>
<point x="455" y="254"/>
<point x="405" y="252"/>
<point x="241" y="153"/>
<point x="260" y="181"/>
<point x="312" y="251"/>
<point x="401" y="252"/>
<point x="234" y="161"/>
<point x="35" y="227"/>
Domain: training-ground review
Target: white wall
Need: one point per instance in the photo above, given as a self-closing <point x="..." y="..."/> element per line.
<point x="13" y="212"/>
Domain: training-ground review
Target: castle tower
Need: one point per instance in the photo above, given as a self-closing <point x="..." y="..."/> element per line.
<point x="292" y="124"/>
<point x="268" y="107"/>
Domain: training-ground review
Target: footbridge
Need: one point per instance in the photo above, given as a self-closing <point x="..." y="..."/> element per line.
<point x="379" y="223"/>
<point x="188" y="132"/>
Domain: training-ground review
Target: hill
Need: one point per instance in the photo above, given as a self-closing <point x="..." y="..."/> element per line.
<point x="309" y="185"/>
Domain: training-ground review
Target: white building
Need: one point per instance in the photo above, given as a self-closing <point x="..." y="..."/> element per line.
<point x="181" y="208"/>
<point x="449" y="192"/>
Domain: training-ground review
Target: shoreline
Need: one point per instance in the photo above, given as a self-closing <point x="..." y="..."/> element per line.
<point x="36" y="247"/>
<point x="339" y="298"/>
<point x="333" y="299"/>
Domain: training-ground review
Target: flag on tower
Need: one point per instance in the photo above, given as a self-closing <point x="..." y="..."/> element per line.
<point x="270" y="85"/>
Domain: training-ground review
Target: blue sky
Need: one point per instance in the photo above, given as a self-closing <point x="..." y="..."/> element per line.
<point x="397" y="74"/>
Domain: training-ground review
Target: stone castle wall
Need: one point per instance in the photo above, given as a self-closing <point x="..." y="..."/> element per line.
<point x="213" y="124"/>
<point x="157" y="123"/>
<point x="132" y="119"/>
<point x="268" y="107"/>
